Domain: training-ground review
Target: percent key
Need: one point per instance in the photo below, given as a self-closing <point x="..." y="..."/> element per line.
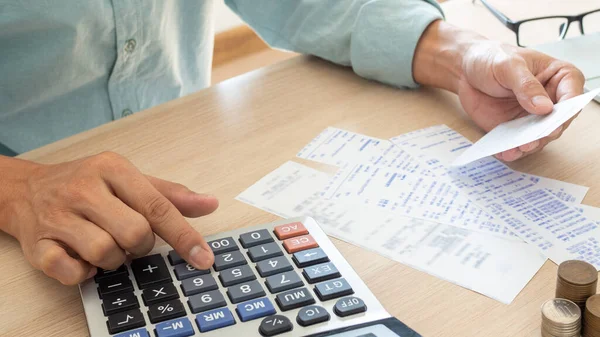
<point x="165" y="310"/>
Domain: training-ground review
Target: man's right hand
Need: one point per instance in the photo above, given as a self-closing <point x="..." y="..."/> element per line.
<point x="73" y="217"/>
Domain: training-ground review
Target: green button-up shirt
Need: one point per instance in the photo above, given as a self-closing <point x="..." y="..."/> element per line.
<point x="70" y="65"/>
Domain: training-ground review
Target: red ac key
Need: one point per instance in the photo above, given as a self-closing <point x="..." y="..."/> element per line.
<point x="299" y="243"/>
<point x="290" y="230"/>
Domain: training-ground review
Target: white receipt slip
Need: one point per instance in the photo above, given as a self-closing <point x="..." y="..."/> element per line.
<point x="481" y="262"/>
<point x="524" y="130"/>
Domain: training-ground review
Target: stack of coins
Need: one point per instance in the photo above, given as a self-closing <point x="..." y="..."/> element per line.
<point x="560" y="318"/>
<point x="591" y="325"/>
<point x="576" y="281"/>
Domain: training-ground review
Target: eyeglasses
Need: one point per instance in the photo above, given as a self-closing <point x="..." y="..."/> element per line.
<point x="547" y="28"/>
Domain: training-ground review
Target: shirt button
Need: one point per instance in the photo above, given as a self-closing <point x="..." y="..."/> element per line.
<point x="130" y="45"/>
<point x="126" y="113"/>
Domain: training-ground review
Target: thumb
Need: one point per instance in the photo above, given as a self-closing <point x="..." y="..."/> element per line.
<point x="530" y="93"/>
<point x="189" y="203"/>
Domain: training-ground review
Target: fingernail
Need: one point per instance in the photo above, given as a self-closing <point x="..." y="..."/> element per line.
<point x="532" y="146"/>
<point x="541" y="101"/>
<point x="518" y="155"/>
<point x="91" y="273"/>
<point x="201" y="258"/>
<point x="556" y="132"/>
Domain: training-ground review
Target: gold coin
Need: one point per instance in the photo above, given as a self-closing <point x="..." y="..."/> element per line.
<point x="577" y="272"/>
<point x="593" y="305"/>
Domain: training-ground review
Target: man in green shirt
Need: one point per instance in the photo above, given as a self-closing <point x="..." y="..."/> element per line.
<point x="69" y="65"/>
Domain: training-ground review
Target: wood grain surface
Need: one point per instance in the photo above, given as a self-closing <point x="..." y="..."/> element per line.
<point x="223" y="139"/>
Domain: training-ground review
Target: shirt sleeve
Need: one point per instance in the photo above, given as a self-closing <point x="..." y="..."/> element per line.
<point x="377" y="38"/>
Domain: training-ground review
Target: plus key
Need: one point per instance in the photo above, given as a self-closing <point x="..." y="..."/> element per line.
<point x="150" y="270"/>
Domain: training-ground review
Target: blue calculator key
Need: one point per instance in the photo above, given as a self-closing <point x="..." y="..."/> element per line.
<point x="254" y="309"/>
<point x="214" y="319"/>
<point x="134" y="333"/>
<point x="180" y="327"/>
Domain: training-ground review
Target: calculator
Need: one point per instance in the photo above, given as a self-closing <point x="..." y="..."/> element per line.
<point x="284" y="278"/>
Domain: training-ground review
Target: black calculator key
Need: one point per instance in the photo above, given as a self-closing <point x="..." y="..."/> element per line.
<point x="206" y="301"/>
<point x="236" y="275"/>
<point x="284" y="281"/>
<point x="273" y="266"/>
<point x="294" y="298"/>
<point x="112" y="304"/>
<point x="175" y="258"/>
<point x="255" y="238"/>
<point x="114" y="285"/>
<point x="223" y="245"/>
<point x="274" y="325"/>
<point x="198" y="284"/>
<point x="349" y="306"/>
<point x="309" y="257"/>
<point x="245" y="291"/>
<point x="166" y="310"/>
<point x="333" y="289"/>
<point x="150" y="270"/>
<point x="229" y="260"/>
<point x="259" y="253"/>
<point x="123" y="321"/>
<point x="103" y="274"/>
<point x="159" y="293"/>
<point x="320" y="272"/>
<point x="312" y="314"/>
<point x="183" y="271"/>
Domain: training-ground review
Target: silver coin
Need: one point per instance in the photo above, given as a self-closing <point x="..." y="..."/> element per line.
<point x="561" y="312"/>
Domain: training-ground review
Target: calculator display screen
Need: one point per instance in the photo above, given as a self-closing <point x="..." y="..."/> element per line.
<point x="378" y="330"/>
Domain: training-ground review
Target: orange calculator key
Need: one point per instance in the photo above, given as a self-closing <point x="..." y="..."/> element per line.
<point x="290" y="230"/>
<point x="299" y="243"/>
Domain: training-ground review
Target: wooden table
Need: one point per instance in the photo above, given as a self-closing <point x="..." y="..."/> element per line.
<point x="223" y="139"/>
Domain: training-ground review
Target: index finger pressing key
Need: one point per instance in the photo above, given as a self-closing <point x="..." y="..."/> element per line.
<point x="136" y="191"/>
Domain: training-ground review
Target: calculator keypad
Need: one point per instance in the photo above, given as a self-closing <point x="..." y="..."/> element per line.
<point x="284" y="281"/>
<point x="254" y="238"/>
<point x="320" y="272"/>
<point x="165" y="310"/>
<point x="229" y="260"/>
<point x="255" y="309"/>
<point x="150" y="270"/>
<point x="104" y="274"/>
<point x="125" y="321"/>
<point x="206" y="301"/>
<point x="119" y="302"/>
<point x="287" y="263"/>
<point x="274" y="325"/>
<point x="118" y="284"/>
<point x="215" y="319"/>
<point x="312" y="314"/>
<point x="159" y="293"/>
<point x="236" y="275"/>
<point x="259" y="253"/>
<point x="186" y="270"/>
<point x="299" y="243"/>
<point x="245" y="291"/>
<point x="223" y="245"/>
<point x="273" y="266"/>
<point x="294" y="298"/>
<point x="198" y="284"/>
<point x="309" y="257"/>
<point x="333" y="289"/>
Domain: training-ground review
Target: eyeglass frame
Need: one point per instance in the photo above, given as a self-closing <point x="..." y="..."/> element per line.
<point x="515" y="25"/>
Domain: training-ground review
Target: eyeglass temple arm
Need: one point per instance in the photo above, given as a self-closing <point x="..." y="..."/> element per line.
<point x="499" y="15"/>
